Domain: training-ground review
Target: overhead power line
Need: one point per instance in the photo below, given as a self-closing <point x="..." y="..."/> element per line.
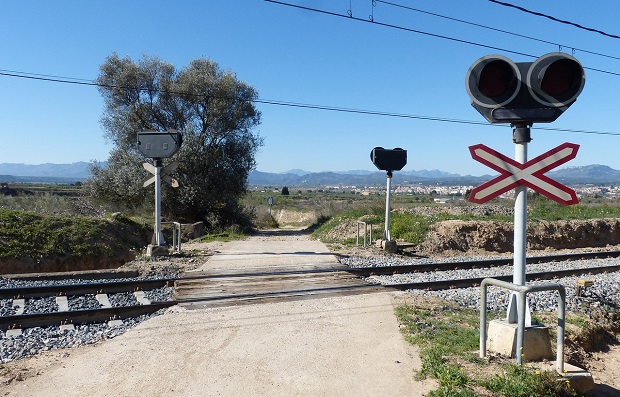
<point x="496" y="29"/>
<point x="374" y="22"/>
<point x="435" y="35"/>
<point x="76" y="81"/>
<point x="540" y="14"/>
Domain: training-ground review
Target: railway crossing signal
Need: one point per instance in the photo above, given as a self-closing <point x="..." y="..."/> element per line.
<point x="521" y="94"/>
<point x="527" y="92"/>
<point x="388" y="160"/>
<point x="163" y="172"/>
<point x="158" y="145"/>
<point x="530" y="174"/>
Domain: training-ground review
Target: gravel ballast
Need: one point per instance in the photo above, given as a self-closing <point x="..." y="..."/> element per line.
<point x="606" y="286"/>
<point x="35" y="340"/>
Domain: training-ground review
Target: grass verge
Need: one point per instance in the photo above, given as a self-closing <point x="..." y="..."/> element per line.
<point x="447" y="336"/>
<point x="31" y="236"/>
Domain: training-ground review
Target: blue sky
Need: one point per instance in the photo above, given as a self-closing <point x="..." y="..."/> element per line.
<point x="299" y="56"/>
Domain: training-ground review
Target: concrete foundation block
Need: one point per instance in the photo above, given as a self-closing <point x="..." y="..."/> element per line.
<point x="388" y="245"/>
<point x="156" y="250"/>
<point x="502" y="339"/>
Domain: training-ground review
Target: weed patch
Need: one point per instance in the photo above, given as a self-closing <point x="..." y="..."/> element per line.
<point x="448" y="336"/>
<point x="226" y="236"/>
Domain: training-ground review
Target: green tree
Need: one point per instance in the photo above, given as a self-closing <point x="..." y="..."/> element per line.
<point x="285" y="191"/>
<point x="211" y="108"/>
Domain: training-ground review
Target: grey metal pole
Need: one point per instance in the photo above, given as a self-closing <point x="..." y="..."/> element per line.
<point x="159" y="237"/>
<point x="520" y="219"/>
<point x="386" y="231"/>
<point x="521" y="137"/>
<point x="521" y="327"/>
<point x="559" y="361"/>
<point x="483" y="319"/>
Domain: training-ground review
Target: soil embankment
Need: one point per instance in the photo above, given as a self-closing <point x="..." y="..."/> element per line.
<point x="497" y="237"/>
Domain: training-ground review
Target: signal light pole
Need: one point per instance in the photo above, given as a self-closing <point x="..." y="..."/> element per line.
<point x="521" y="137"/>
<point x="388" y="160"/>
<point x="388" y="198"/>
<point x="521" y="94"/>
<point x="158" y="145"/>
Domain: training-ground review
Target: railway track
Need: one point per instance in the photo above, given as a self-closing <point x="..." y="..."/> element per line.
<point x="62" y="293"/>
<point x="259" y="285"/>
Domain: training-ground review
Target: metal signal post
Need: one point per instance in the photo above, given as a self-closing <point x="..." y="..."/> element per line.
<point x="388" y="160"/>
<point x="521" y="94"/>
<point x="521" y="137"/>
<point x="158" y="145"/>
<point x="159" y="173"/>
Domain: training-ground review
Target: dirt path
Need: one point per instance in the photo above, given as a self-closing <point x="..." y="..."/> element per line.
<point x="345" y="346"/>
<point x="605" y="368"/>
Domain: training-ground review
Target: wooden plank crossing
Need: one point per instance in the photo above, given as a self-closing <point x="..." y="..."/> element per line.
<point x="227" y="287"/>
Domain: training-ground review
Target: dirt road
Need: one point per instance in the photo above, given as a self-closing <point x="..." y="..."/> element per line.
<point x="345" y="346"/>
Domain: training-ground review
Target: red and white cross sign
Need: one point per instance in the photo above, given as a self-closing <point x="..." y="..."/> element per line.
<point x="530" y="174"/>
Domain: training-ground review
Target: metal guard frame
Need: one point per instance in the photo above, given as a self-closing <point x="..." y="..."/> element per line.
<point x="522" y="291"/>
<point x="366" y="224"/>
<point x="176" y="235"/>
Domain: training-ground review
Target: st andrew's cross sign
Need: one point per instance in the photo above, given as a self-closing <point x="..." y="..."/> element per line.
<point x="530" y="174"/>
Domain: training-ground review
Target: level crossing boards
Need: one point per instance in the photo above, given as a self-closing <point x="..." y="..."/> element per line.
<point x="530" y="174"/>
<point x="164" y="171"/>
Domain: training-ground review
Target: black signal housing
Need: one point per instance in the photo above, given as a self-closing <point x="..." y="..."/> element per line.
<point x="529" y="92"/>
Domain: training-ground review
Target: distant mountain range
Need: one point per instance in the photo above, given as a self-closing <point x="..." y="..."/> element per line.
<point x="45" y="173"/>
<point x="71" y="173"/>
<point x="356" y="178"/>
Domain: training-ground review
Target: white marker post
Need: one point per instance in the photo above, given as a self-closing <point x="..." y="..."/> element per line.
<point x="388" y="198"/>
<point x="521" y="137"/>
<point x="159" y="173"/>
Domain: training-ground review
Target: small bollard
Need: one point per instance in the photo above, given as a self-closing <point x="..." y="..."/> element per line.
<point x="582" y="285"/>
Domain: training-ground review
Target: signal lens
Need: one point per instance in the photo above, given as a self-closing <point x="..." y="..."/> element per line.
<point x="496" y="78"/>
<point x="560" y="77"/>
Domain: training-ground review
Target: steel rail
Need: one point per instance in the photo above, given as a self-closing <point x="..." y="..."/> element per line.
<point x="105" y="314"/>
<point x="476" y="281"/>
<point x="80" y="316"/>
<point x="414" y="268"/>
<point x="371" y="287"/>
<point x="109" y="287"/>
<point x="428" y="267"/>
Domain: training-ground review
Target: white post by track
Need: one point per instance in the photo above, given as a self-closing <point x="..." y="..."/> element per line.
<point x="159" y="173"/>
<point x="158" y="237"/>
<point x="386" y="230"/>
<point x="521" y="137"/>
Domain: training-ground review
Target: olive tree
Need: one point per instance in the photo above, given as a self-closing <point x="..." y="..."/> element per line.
<point x="212" y="109"/>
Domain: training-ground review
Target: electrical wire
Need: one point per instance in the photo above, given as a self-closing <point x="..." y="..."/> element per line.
<point x="540" y="14"/>
<point x="496" y="29"/>
<point x="454" y="39"/>
<point x="439" y="36"/>
<point x="68" y="80"/>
